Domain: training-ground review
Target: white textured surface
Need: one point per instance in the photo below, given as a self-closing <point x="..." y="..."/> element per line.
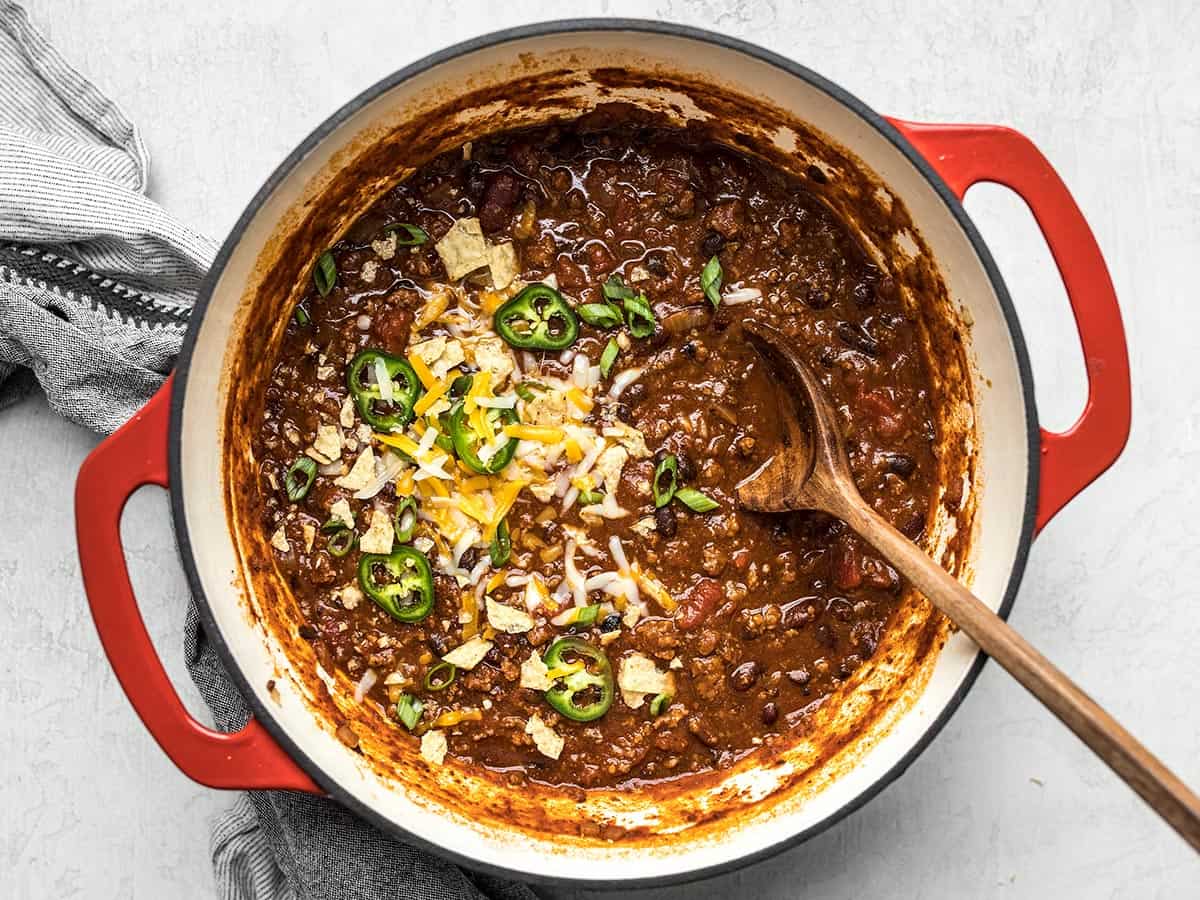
<point x="1005" y="803"/>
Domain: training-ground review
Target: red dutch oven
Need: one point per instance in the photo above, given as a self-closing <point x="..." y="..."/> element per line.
<point x="179" y="440"/>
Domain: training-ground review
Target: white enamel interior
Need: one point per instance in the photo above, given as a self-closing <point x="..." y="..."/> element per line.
<point x="1002" y="425"/>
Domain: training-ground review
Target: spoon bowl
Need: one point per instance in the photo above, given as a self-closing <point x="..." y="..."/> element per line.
<point x="810" y="470"/>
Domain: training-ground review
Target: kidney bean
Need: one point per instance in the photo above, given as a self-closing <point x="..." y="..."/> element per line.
<point x="698" y="603"/>
<point x="770" y="712"/>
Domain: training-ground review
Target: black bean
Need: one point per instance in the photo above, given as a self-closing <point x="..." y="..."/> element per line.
<point x="664" y="521"/>
<point x="469" y="558"/>
<point x="657" y="264"/>
<point x="770" y="712"/>
<point x="901" y="464"/>
<point x="610" y="623"/>
<point x="817" y="174"/>
<point x="307" y="632"/>
<point x="712" y="244"/>
<point x="687" y="469"/>
<point x="689" y="349"/>
<point x="624" y="413"/>
<point x="825" y="637"/>
<point x="438" y="644"/>
<point x="800" y="612"/>
<point x="857" y="337"/>
<point x="914" y="527"/>
<point x="744" y="676"/>
<point x="635" y="393"/>
<point x="815" y="298"/>
<point x="848" y="665"/>
<point x="864" y="294"/>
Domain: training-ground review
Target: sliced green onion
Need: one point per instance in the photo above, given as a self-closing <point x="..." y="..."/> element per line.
<point x="408" y="710"/>
<point x="668" y="467"/>
<point x="659" y="704"/>
<point x="696" y="501"/>
<point x="640" y="316"/>
<point x="590" y="498"/>
<point x="710" y="281"/>
<point x="342" y="541"/>
<point x="406" y="519"/>
<point x="325" y="273"/>
<point x="609" y="356"/>
<point x="299" y="478"/>
<point x="524" y="391"/>
<point x="616" y="289"/>
<point x="332" y="526"/>
<point x="415" y="237"/>
<point x="599" y="315"/>
<point x="301" y="317"/>
<point x="501" y="547"/>
<point x="433" y="679"/>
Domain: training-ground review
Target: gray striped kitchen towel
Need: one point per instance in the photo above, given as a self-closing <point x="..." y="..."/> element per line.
<point x="96" y="282"/>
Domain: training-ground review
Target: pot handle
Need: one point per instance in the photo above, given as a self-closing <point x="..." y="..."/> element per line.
<point x="135" y="455"/>
<point x="966" y="154"/>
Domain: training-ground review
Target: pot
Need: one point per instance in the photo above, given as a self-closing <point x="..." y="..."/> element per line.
<point x="185" y="440"/>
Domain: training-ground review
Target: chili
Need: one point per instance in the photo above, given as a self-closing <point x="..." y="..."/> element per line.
<point x="299" y="478"/>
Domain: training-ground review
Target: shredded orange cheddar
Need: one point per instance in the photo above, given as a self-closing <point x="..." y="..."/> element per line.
<point x="427" y="377"/>
<point x="401" y="442"/>
<point x="574" y="451"/>
<point x="448" y="719"/>
<point x="580" y="399"/>
<point x="433" y="393"/>
<point x="544" y="433"/>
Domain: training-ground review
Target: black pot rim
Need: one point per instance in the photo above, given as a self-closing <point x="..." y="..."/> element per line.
<point x="543" y="29"/>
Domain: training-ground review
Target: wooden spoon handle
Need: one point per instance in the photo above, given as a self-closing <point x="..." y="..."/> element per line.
<point x="1169" y="796"/>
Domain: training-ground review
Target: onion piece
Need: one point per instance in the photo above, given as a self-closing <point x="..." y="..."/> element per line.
<point x="622" y="380"/>
<point x="570" y="498"/>
<point x="331" y="468"/>
<point x="743" y="295"/>
<point x="392" y="465"/>
<point x="566" y="356"/>
<point x="363" y="322"/>
<point x="368" y="680"/>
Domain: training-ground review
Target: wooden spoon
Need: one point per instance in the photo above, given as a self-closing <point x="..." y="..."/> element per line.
<point x="811" y="471"/>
